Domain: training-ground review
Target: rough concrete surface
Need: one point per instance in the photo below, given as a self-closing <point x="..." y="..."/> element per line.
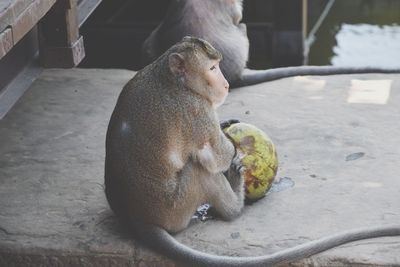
<point x="337" y="139"/>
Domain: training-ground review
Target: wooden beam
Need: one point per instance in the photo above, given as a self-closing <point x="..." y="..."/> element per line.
<point x="85" y="8"/>
<point x="60" y="44"/>
<point x="18" y="18"/>
<point x="6" y="42"/>
<point x="18" y="69"/>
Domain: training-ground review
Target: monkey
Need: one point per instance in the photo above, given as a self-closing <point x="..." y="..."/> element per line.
<point x="166" y="155"/>
<point x="219" y="22"/>
<point x="165" y="151"/>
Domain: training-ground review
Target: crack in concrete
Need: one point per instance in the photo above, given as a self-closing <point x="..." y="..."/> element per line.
<point x="9" y="233"/>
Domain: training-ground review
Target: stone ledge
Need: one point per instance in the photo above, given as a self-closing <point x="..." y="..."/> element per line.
<point x="52" y="206"/>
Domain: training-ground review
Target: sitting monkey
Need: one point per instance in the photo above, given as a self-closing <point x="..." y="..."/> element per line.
<point x="166" y="154"/>
<point x="219" y="22"/>
<point x="165" y="151"/>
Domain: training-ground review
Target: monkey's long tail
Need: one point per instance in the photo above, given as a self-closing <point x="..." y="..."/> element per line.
<point x="259" y="76"/>
<point x="163" y="241"/>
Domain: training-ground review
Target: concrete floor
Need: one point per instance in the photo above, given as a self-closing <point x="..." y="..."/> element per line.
<point x="338" y="143"/>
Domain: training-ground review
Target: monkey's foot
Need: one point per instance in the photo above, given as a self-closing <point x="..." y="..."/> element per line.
<point x="203" y="213"/>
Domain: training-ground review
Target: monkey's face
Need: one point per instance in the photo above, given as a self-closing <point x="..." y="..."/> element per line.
<point x="216" y="83"/>
<point x="199" y="71"/>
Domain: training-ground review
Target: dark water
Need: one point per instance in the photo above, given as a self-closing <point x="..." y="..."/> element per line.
<point x="357" y="33"/>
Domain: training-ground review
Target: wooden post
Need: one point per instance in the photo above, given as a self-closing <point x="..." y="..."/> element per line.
<point x="305" y="19"/>
<point x="60" y="44"/>
<point x="288" y="36"/>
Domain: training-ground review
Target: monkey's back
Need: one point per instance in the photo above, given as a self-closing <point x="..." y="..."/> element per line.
<point x="148" y="143"/>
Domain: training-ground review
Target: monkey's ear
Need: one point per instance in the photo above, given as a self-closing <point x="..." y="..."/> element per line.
<point x="176" y="63"/>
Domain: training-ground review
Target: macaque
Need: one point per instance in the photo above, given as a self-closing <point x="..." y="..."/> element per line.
<point x="165" y="151"/>
<point x="166" y="155"/>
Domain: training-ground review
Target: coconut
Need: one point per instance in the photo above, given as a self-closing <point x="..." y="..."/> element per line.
<point x="260" y="160"/>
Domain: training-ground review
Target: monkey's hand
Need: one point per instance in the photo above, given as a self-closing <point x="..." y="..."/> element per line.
<point x="237" y="159"/>
<point x="226" y="123"/>
<point x="235" y="174"/>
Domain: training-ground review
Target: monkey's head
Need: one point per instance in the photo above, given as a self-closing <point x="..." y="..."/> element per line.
<point x="195" y="64"/>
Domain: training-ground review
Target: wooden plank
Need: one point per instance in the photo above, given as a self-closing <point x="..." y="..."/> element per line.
<point x="60" y="25"/>
<point x="20" y="16"/>
<point x="28" y="18"/>
<point x="6" y="42"/>
<point x="17" y="71"/>
<point x="63" y="57"/>
<point x="60" y="44"/>
<point x="10" y="9"/>
<point x="10" y="95"/>
<point x="85" y="8"/>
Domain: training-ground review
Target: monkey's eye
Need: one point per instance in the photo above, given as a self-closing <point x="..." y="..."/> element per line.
<point x="213" y="67"/>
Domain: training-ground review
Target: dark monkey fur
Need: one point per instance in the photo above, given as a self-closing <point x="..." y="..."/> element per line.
<point x="166" y="154"/>
<point x="219" y="22"/>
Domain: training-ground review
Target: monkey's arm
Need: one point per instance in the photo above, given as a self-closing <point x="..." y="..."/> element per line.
<point x="216" y="155"/>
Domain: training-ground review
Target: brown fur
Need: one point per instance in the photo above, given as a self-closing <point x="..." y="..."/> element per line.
<point x="161" y="134"/>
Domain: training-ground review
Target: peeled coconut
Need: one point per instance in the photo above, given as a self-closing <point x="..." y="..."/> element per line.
<point x="260" y="161"/>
